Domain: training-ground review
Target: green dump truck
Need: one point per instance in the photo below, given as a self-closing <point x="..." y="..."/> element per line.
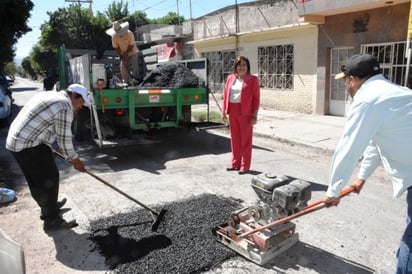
<point x="122" y="114"/>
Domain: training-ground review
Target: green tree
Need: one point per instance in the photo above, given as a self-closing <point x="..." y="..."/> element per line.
<point x="101" y="40"/>
<point x="170" y="19"/>
<point x="21" y="71"/>
<point x="43" y="60"/>
<point x="75" y="27"/>
<point x="137" y="19"/>
<point x="118" y="11"/>
<point x="10" y="68"/>
<point x="26" y="65"/>
<point x="72" y="27"/>
<point x="17" y="13"/>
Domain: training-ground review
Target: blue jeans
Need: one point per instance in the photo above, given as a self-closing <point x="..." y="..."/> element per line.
<point x="404" y="254"/>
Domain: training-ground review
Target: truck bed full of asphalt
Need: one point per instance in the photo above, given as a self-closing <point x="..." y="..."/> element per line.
<point x="171" y="75"/>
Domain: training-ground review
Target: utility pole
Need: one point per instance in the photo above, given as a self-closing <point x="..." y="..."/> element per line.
<point x="237" y="27"/>
<point x="177" y="5"/>
<point x="190" y="7"/>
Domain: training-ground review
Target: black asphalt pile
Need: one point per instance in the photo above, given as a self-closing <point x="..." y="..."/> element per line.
<point x="183" y="242"/>
<point x="175" y="75"/>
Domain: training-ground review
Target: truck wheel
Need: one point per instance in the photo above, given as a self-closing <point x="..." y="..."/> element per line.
<point x="81" y="125"/>
<point x="186" y="116"/>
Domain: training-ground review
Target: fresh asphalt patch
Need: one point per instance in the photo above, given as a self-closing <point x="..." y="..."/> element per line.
<point x="183" y="242"/>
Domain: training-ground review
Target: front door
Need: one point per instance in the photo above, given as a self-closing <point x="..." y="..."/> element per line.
<point x="338" y="98"/>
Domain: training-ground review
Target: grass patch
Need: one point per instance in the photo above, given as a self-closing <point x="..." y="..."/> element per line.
<point x="201" y="116"/>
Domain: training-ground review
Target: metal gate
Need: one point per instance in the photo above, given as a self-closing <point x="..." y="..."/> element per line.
<point x="392" y="59"/>
<point x="393" y="62"/>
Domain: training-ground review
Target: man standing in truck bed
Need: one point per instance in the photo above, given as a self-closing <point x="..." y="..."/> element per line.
<point x="125" y="45"/>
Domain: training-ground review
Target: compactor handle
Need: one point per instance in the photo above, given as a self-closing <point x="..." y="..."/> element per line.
<point x="344" y="192"/>
<point x="318" y="204"/>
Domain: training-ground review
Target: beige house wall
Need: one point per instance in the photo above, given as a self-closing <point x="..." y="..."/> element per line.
<point x="313" y="27"/>
<point x="303" y="97"/>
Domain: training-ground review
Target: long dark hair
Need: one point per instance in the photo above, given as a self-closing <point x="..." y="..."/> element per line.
<point x="237" y="61"/>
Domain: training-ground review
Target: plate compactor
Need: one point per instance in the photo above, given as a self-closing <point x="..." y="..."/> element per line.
<point x="262" y="231"/>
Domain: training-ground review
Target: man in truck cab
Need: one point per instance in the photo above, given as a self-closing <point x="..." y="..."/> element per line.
<point x="124" y="44"/>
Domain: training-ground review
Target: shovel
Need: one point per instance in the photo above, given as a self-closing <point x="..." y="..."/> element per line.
<point x="101" y="83"/>
<point x="157" y="216"/>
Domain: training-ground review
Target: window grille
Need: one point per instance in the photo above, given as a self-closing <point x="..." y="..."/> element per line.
<point x="275" y="67"/>
<point x="220" y="66"/>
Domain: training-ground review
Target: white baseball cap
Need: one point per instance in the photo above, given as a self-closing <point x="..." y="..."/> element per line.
<point x="80" y="90"/>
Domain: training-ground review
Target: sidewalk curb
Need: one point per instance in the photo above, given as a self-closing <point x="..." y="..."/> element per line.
<point x="294" y="143"/>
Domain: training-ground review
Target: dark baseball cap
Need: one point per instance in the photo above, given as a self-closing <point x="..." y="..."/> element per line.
<point x="360" y="65"/>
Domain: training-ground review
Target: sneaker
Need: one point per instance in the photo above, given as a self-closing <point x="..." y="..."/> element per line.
<point x="61" y="203"/>
<point x="58" y="224"/>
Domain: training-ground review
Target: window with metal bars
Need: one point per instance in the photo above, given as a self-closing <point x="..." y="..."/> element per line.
<point x="275" y="67"/>
<point x="220" y="66"/>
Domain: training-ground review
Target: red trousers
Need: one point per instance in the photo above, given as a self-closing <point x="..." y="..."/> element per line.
<point x="241" y="132"/>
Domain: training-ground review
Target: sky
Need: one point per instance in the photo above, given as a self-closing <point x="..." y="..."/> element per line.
<point x="153" y="9"/>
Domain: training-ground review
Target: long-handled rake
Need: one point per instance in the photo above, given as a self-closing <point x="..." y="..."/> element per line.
<point x="157" y="216"/>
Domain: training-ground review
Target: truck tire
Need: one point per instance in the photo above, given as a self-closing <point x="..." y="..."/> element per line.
<point x="186" y="115"/>
<point x="81" y="125"/>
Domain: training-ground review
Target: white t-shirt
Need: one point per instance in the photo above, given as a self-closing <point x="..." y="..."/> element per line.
<point x="236" y="91"/>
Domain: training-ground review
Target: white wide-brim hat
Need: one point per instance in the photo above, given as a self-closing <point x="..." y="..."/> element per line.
<point x="118" y="28"/>
<point x="79" y="89"/>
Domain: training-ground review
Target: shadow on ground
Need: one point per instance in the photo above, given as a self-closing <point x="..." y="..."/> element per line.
<point x="318" y="260"/>
<point x="77" y="251"/>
